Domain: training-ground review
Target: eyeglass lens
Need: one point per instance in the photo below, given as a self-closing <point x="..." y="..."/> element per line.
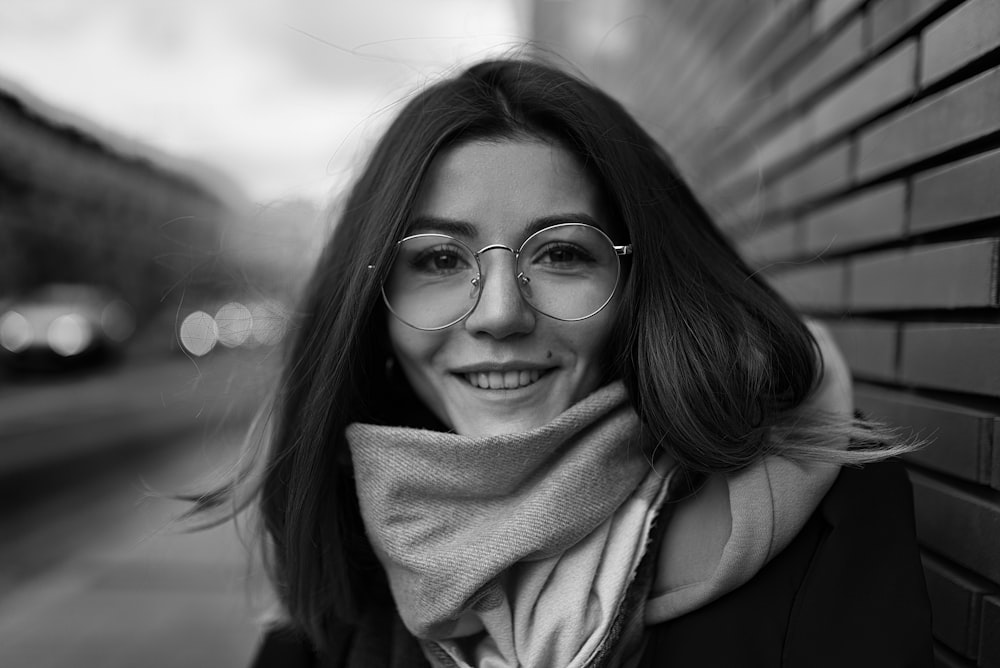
<point x="568" y="272"/>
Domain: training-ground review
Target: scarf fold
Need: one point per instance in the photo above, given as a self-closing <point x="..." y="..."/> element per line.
<point x="513" y="550"/>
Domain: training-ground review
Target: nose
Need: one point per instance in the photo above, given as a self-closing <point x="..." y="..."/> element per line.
<point x="501" y="311"/>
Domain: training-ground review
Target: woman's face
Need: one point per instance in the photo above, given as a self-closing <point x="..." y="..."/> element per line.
<point x="498" y="193"/>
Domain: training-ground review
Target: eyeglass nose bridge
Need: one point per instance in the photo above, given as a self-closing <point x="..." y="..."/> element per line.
<point x="521" y="279"/>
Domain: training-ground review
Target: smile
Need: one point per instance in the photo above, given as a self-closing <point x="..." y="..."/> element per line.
<point x="502" y="380"/>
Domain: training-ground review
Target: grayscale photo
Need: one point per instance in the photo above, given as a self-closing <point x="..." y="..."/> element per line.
<point x="500" y="334"/>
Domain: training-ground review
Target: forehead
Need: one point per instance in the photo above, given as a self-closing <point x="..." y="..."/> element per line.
<point x="501" y="188"/>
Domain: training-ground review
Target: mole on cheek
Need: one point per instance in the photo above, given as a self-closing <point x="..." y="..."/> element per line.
<point x="548" y="355"/>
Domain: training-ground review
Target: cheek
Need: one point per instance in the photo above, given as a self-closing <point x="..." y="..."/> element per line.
<point x="411" y="347"/>
<point x="602" y="326"/>
<point x="594" y="345"/>
<point x="415" y="353"/>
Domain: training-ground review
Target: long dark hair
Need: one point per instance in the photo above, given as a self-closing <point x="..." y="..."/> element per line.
<point x="714" y="361"/>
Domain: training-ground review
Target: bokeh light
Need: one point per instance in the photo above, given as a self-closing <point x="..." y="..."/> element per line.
<point x="118" y="321"/>
<point x="234" y="324"/>
<point x="270" y="320"/>
<point x="69" y="335"/>
<point x="15" y="332"/>
<point x="199" y="333"/>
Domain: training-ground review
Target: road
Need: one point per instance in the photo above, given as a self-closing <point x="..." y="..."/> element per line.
<point x="90" y="573"/>
<point x="50" y="419"/>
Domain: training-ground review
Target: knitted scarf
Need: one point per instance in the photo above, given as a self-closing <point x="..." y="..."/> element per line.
<point x="520" y="549"/>
<point x="528" y="549"/>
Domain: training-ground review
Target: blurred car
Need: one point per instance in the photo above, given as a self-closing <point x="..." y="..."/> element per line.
<point x="62" y="326"/>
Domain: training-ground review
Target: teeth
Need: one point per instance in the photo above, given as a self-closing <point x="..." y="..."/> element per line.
<point x="502" y="380"/>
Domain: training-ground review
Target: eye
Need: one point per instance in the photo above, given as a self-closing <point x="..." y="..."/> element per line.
<point x="562" y="254"/>
<point x="440" y="260"/>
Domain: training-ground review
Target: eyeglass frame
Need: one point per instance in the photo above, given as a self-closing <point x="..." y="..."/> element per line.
<point x="619" y="250"/>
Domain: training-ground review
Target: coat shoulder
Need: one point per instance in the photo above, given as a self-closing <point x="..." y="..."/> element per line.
<point x="866" y="583"/>
<point x="848" y="590"/>
<point x="284" y="647"/>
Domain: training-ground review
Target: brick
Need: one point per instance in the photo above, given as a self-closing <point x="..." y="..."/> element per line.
<point x="939" y="276"/>
<point x="875" y="215"/>
<point x="963" y="358"/>
<point x="960" y="114"/>
<point x="958" y="524"/>
<point x="738" y="186"/>
<point x="792" y="139"/>
<point x="961" y="438"/>
<point x="885" y="82"/>
<point x="961" y="192"/>
<point x="828" y="12"/>
<point x="959" y="37"/>
<point x="989" y="638"/>
<point x="956" y="604"/>
<point x="889" y="18"/>
<point x="821" y="175"/>
<point x="764" y="29"/>
<point x="995" y="467"/>
<point x="770" y="244"/>
<point x="770" y="104"/>
<point x="743" y="125"/>
<point x="813" y="287"/>
<point x="845" y="49"/>
<point x="869" y="346"/>
<point x="783" y="43"/>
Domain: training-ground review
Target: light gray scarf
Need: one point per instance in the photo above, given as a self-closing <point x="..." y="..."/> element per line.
<point x="521" y="549"/>
<point x="513" y="550"/>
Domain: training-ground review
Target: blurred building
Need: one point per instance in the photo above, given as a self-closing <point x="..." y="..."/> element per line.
<point x="79" y="204"/>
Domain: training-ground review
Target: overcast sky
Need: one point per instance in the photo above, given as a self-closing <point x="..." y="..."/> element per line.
<point x="281" y="95"/>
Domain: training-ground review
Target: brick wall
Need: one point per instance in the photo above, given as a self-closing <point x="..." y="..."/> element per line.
<point x="851" y="148"/>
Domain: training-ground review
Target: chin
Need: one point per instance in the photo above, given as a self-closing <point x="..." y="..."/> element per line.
<point x="479" y="412"/>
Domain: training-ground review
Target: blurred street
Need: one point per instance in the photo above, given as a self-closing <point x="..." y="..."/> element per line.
<point x="92" y="571"/>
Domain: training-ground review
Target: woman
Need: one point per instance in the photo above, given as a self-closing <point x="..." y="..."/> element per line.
<point x="538" y="412"/>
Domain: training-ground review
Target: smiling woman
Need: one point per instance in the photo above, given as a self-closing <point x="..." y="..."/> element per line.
<point x="537" y="412"/>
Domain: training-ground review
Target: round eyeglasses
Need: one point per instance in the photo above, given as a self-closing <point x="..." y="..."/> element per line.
<point x="568" y="272"/>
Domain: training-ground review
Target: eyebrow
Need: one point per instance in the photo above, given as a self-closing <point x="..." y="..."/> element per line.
<point x="558" y="218"/>
<point x="460" y="228"/>
<point x="450" y="226"/>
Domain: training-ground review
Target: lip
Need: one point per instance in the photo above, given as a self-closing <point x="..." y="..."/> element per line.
<point x="501" y="367"/>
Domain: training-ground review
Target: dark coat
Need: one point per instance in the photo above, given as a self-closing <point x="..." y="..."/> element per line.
<point x="848" y="591"/>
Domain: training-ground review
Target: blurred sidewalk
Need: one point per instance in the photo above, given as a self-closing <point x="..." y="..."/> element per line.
<point x="87" y="576"/>
<point x="138" y="593"/>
